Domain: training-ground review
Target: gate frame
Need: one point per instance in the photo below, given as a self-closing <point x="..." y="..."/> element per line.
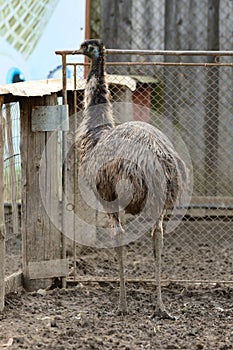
<point x="200" y="205"/>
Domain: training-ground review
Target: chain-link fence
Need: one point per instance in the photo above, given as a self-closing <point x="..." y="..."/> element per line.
<point x="12" y="189"/>
<point x="192" y="104"/>
<point x="192" y="101"/>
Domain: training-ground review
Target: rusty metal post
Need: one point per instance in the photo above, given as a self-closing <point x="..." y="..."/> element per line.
<point x="64" y="82"/>
<point x="64" y="153"/>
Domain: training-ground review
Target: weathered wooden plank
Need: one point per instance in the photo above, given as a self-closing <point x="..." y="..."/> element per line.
<point x="48" y="269"/>
<point x="40" y="237"/>
<point x="13" y="282"/>
<point x="13" y="179"/>
<point x="2" y="220"/>
<point x="50" y="118"/>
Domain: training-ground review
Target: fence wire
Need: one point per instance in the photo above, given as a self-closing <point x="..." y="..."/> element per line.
<point x="192" y="103"/>
<point x="12" y="189"/>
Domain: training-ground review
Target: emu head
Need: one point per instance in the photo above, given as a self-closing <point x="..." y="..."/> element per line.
<point x="91" y="48"/>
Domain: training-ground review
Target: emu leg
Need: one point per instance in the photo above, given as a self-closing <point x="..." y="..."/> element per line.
<point x="157" y="243"/>
<point x="118" y="233"/>
<point x="122" y="296"/>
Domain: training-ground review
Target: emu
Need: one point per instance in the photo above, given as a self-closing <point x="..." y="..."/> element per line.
<point x="135" y="152"/>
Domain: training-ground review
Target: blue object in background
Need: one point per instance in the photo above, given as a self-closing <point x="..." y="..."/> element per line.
<point x="14" y="75"/>
<point x="56" y="73"/>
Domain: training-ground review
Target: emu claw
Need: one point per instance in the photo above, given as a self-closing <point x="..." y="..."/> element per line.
<point x="162" y="315"/>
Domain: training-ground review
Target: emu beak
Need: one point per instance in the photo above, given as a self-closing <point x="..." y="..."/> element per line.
<point x="78" y="52"/>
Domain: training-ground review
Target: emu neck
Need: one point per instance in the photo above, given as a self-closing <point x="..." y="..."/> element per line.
<point x="98" y="109"/>
<point x="97" y="117"/>
<point x="97" y="67"/>
<point x="96" y="89"/>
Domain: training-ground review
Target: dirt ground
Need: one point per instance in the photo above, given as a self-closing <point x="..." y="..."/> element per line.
<point x="85" y="316"/>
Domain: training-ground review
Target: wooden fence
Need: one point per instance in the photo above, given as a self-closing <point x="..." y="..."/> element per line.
<point x="42" y="256"/>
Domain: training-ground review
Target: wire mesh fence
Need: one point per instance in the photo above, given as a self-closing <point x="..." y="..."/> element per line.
<point x="12" y="188"/>
<point x="192" y="105"/>
<point x="191" y="102"/>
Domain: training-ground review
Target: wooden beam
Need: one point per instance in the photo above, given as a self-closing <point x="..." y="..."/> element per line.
<point x="48" y="269"/>
<point x="40" y="237"/>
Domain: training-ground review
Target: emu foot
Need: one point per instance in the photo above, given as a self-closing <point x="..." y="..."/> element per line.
<point x="122" y="311"/>
<point x="122" y="308"/>
<point x="162" y="315"/>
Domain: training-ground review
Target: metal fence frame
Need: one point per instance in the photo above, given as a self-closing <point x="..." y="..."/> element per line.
<point x="212" y="205"/>
<point x="216" y="61"/>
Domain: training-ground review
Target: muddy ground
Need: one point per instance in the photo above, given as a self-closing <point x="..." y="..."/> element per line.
<point x="85" y="316"/>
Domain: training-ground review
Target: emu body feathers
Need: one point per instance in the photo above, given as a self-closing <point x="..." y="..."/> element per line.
<point x="131" y="167"/>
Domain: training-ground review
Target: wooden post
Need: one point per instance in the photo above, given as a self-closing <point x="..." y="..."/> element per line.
<point x="41" y="239"/>
<point x="2" y="220"/>
<point x="13" y="178"/>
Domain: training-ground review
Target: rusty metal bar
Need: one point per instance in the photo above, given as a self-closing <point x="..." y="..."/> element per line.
<point x="187" y="64"/>
<point x="156" y="52"/>
<point x="75" y="170"/>
<point x="75" y="88"/>
<point x="64" y="101"/>
<point x="168" y="52"/>
<point x="169" y="64"/>
<point x="216" y="55"/>
<point x="87" y="19"/>
<point x="64" y="80"/>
